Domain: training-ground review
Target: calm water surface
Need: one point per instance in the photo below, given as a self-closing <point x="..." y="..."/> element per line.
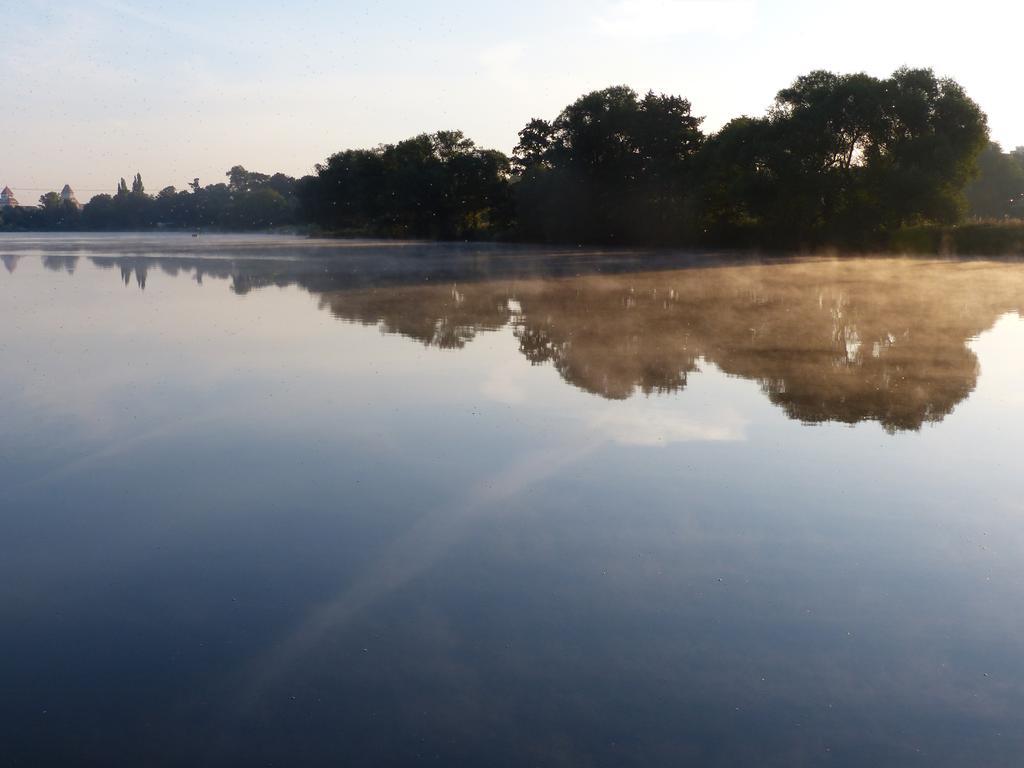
<point x="269" y="501"/>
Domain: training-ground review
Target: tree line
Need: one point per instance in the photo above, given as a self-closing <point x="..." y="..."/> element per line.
<point x="247" y="201"/>
<point x="844" y="159"/>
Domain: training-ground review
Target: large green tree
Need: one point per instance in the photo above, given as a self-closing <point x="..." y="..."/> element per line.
<point x="612" y="167"/>
<point x="846" y="158"/>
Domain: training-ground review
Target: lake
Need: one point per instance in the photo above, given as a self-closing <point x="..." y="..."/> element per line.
<point x="275" y="501"/>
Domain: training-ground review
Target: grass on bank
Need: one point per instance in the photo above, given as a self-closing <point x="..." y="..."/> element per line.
<point x="976" y="238"/>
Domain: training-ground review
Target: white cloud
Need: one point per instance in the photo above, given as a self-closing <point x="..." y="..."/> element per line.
<point x="655" y="422"/>
<point x="670" y="18"/>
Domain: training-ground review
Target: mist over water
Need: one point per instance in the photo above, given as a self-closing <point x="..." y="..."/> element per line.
<point x="282" y="501"/>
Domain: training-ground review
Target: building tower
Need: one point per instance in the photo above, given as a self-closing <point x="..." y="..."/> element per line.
<point x="7" y="199"/>
<point x="67" y="195"/>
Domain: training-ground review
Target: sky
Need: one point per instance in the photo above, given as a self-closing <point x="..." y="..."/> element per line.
<point x="98" y="89"/>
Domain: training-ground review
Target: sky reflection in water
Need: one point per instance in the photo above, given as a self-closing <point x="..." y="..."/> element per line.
<point x="630" y="512"/>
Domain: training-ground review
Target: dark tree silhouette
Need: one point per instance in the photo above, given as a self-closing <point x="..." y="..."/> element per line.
<point x="430" y="186"/>
<point x="611" y="168"/>
<point x="845" y="159"/>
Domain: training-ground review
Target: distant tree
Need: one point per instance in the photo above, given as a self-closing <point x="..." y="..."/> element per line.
<point x="434" y="185"/>
<point x="241" y="180"/>
<point x="261" y="209"/>
<point x="612" y="167"/>
<point x="211" y="206"/>
<point x="53" y="213"/>
<point x="258" y="200"/>
<point x="847" y="158"/>
<point x="1017" y="205"/>
<point x="534" y="142"/>
<point x="99" y="213"/>
<point x="50" y="201"/>
<point x="999" y="186"/>
<point x="167" y="207"/>
<point x="283" y="184"/>
<point x="736" y="185"/>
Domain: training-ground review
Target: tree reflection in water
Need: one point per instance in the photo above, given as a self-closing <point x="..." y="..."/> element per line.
<point x="846" y="341"/>
<point x="841" y="340"/>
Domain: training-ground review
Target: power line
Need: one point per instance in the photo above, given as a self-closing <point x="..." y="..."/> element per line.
<point x="52" y="189"/>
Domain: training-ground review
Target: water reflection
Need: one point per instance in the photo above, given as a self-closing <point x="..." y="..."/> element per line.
<point x="244" y="514"/>
<point x="60" y="263"/>
<point x="825" y="341"/>
<point x="844" y="340"/>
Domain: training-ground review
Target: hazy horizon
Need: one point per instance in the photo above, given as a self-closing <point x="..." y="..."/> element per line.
<point x="176" y="94"/>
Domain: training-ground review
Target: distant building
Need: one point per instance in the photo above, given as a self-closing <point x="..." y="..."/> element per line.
<point x="7" y="199"/>
<point x="67" y="195"/>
